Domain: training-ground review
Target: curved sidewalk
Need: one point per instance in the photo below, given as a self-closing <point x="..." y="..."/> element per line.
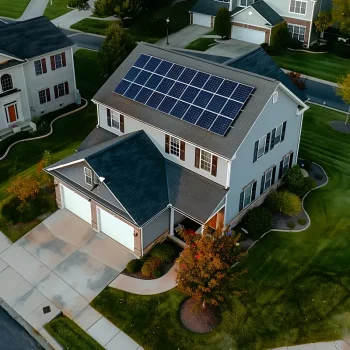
<point x="146" y="287"/>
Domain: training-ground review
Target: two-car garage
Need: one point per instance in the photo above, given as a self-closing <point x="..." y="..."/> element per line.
<point x="248" y="34"/>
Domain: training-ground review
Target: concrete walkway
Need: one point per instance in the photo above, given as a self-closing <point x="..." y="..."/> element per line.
<point x="146" y="287"/>
<point x="334" y="345"/>
<point x="34" y="9"/>
<point x="231" y="48"/>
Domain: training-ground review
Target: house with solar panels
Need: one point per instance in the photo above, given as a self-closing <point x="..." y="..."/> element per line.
<point x="180" y="142"/>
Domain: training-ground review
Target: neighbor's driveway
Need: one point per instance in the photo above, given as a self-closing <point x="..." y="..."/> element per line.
<point x="61" y="263"/>
<point x="231" y="48"/>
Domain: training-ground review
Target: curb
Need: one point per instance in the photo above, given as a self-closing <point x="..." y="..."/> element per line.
<point x="325" y="106"/>
<point x="44" y="136"/>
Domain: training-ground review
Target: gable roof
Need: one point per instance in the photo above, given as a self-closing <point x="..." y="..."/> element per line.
<point x="267" y="12"/>
<point x="209" y="7"/>
<point x="224" y="146"/>
<point x="32" y="38"/>
<point x="96" y="136"/>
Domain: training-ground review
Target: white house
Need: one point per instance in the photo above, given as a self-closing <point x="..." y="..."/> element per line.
<point x="36" y="73"/>
<point x="180" y="140"/>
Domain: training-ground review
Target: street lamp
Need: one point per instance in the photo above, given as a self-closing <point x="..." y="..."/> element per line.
<point x="167" y="30"/>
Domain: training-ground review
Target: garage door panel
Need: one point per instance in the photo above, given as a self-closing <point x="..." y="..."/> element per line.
<point x="201" y="20"/>
<point x="76" y="204"/>
<point x="247" y="34"/>
<point x="116" y="229"/>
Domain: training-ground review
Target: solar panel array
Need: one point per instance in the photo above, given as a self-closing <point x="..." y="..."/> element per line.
<point x="199" y="98"/>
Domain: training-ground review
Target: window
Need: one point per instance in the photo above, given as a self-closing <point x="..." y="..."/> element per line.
<point x="58" y="60"/>
<point x="261" y="146"/>
<point x="268" y="179"/>
<point x="247" y="195"/>
<point x="278" y="134"/>
<point x="38" y="68"/>
<point x="245" y="3"/>
<point x="175" y="146"/>
<point x="44" y="96"/>
<point x="6" y="82"/>
<point x="285" y="164"/>
<point x="205" y="161"/>
<point x="61" y="89"/>
<point x="297" y="6"/>
<point x="88" y="176"/>
<point x="275" y="97"/>
<point x="297" y="32"/>
<point x="115" y="122"/>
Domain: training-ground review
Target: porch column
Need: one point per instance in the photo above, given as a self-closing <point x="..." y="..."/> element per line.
<point x="171" y="222"/>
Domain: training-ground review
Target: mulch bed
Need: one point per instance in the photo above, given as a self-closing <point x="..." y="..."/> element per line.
<point x="164" y="270"/>
<point x="199" y="320"/>
<point x="340" y="126"/>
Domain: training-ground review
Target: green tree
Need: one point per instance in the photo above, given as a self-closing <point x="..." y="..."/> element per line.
<point x="341" y="14"/>
<point x="344" y="91"/>
<point x="79" y="4"/>
<point x="127" y="9"/>
<point x="279" y="37"/>
<point x="105" y="7"/>
<point x="285" y="202"/>
<point x="222" y="23"/>
<point x="295" y="181"/>
<point x="116" y="47"/>
<point x="323" y="21"/>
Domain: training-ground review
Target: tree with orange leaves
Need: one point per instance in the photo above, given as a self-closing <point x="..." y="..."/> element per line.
<point x="24" y="188"/>
<point x="45" y="178"/>
<point x="204" y="265"/>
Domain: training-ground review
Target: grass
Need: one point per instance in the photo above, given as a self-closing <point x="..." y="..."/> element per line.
<point x="70" y="335"/>
<point x="13" y="8"/>
<point x="212" y="32"/>
<point x="57" y="9"/>
<point x="95" y="26"/>
<point x="323" y="66"/>
<point x="69" y="132"/>
<point x="201" y="44"/>
<point x="297" y="286"/>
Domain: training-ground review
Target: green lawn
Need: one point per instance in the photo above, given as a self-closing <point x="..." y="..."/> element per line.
<point x="57" y="9"/>
<point x="13" y="8"/>
<point x="298" y="284"/>
<point x="95" y="26"/>
<point x="69" y="132"/>
<point x="323" y="66"/>
<point x="201" y="44"/>
<point x="70" y="335"/>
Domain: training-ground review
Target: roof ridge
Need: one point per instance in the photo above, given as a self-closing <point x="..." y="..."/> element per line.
<point x="8" y="25"/>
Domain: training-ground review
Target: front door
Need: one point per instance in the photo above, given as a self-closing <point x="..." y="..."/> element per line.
<point x="11" y="113"/>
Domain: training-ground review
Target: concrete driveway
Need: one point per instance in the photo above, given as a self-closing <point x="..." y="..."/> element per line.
<point x="231" y="48"/>
<point x="61" y="263"/>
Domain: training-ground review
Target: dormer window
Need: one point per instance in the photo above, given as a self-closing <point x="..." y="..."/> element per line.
<point x="245" y="3"/>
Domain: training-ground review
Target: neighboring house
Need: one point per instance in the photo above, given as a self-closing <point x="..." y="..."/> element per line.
<point x="36" y="73"/>
<point x="253" y="20"/>
<point x="179" y="140"/>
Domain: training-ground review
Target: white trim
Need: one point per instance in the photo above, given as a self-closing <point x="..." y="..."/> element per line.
<point x="13" y="57"/>
<point x="200" y="161"/>
<point x="298" y="13"/>
<point x="252" y="25"/>
<point x="179" y="145"/>
<point x="51" y="53"/>
<point x="251" y="7"/>
<point x="293" y="96"/>
<point x="228" y="178"/>
<point x="311" y="24"/>
<point x="87" y="172"/>
<point x="75" y="83"/>
<point x="26" y="92"/>
<point x="155" y="216"/>
<point x="171" y="228"/>
<point x="301" y="127"/>
<point x="66" y="164"/>
<point x="7" y="116"/>
<point x="300" y="26"/>
<point x="188" y="216"/>
<point x="251" y="194"/>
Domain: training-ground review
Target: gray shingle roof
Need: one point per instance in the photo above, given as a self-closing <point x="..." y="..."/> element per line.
<point x="267" y="12"/>
<point x="209" y="7"/>
<point x="9" y="64"/>
<point x="224" y="146"/>
<point x="97" y="136"/>
<point x="32" y="38"/>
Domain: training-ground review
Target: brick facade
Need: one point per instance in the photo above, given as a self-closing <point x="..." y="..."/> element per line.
<point x="301" y="22"/>
<point x="267" y="31"/>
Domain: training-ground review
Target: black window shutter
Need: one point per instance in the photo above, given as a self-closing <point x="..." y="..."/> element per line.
<point x="267" y="146"/>
<point x="291" y="160"/>
<point x="109" y="119"/>
<point x="273" y="175"/>
<point x="283" y="131"/>
<point x="262" y="184"/>
<point x="273" y="139"/>
<point x="254" y="191"/>
<point x="280" y="171"/>
<point x="255" y="157"/>
<point x="241" y="199"/>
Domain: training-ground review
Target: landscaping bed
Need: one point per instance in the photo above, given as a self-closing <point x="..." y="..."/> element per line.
<point x="89" y="25"/>
<point x="201" y="44"/>
<point x="13" y="9"/>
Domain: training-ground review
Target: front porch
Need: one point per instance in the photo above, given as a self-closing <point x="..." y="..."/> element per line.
<point x="17" y="127"/>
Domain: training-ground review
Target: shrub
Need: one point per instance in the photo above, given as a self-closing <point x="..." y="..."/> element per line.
<point x="291" y="224"/>
<point x="279" y="37"/>
<point x="222" y="24"/>
<point x="257" y="221"/>
<point x="341" y="49"/>
<point x="164" y="252"/>
<point x="150" y="267"/>
<point x="295" y="44"/>
<point x="310" y="184"/>
<point x="143" y="259"/>
<point x="295" y="180"/>
<point x="133" y="266"/>
<point x="285" y="202"/>
<point x="297" y="80"/>
<point x="302" y="221"/>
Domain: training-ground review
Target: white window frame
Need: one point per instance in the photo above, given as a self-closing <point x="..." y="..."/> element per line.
<point x="88" y="175"/>
<point x="115" y="120"/>
<point x="245" y="195"/>
<point x="174" y="146"/>
<point x="275" y="97"/>
<point x="269" y="181"/>
<point x="293" y="32"/>
<point x="242" y="5"/>
<point x="279" y="136"/>
<point x="204" y="160"/>
<point x="58" y="89"/>
<point x="261" y="146"/>
<point x="39" y="71"/>
<point x="14" y="103"/>
<point x="297" y="8"/>
<point x="45" y="95"/>
<point x="285" y="165"/>
<point x="58" y="59"/>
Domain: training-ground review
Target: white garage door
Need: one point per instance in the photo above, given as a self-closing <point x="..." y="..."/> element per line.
<point x="76" y="204"/>
<point x="249" y="35"/>
<point x="201" y="20"/>
<point x="116" y="229"/>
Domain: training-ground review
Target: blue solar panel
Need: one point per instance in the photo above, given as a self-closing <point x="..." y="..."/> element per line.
<point x="142" y="60"/>
<point x="200" y="79"/>
<point x="122" y="87"/>
<point x="153" y="81"/>
<point x="152" y="64"/>
<point x="192" y="114"/>
<point x="190" y="94"/>
<point x="206" y="119"/>
<point x="177" y="90"/>
<point x="203" y="99"/>
<point x="143" y="95"/>
<point x="216" y="104"/>
<point x="226" y="88"/>
<point x="132" y="73"/>
<point x="155" y="100"/>
<point x="163" y="68"/>
<point x="165" y="85"/>
<point x="142" y="77"/>
<point x="187" y="75"/>
<point x="242" y="93"/>
<point x="132" y="91"/>
<point x="221" y="125"/>
<point x="213" y="84"/>
<point x="231" y="109"/>
<point x="167" y="104"/>
<point x="175" y="71"/>
<point x="179" y="109"/>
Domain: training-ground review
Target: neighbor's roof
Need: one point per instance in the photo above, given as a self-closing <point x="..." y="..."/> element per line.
<point x="9" y="64"/>
<point x="209" y="7"/>
<point x="96" y="136"/>
<point x="32" y="38"/>
<point x="267" y="12"/>
<point x="143" y="181"/>
<point x="225" y="146"/>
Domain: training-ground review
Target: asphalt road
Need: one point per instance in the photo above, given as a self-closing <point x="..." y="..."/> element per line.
<point x="13" y="336"/>
<point x="86" y="41"/>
